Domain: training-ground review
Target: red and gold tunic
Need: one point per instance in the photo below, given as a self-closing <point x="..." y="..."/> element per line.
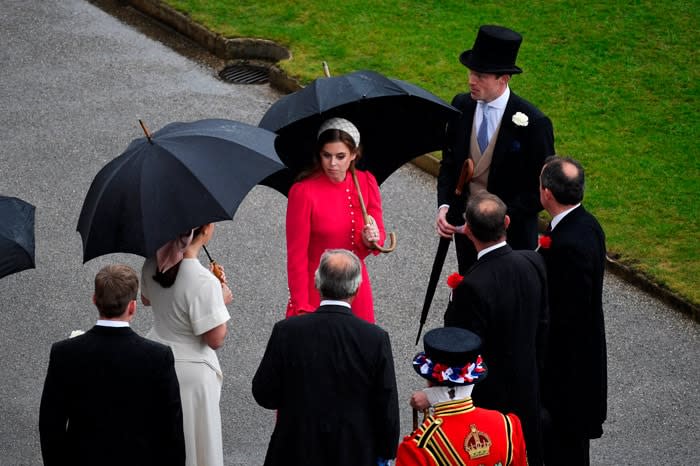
<point x="323" y="214"/>
<point x="460" y="434"/>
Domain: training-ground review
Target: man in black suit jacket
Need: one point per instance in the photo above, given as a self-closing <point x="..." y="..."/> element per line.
<point x="516" y="138"/>
<point x="575" y="381"/>
<point x="331" y="377"/>
<point x="503" y="299"/>
<point x="111" y="397"/>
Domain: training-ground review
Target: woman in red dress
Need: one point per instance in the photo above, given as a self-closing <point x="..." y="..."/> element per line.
<point x="324" y="212"/>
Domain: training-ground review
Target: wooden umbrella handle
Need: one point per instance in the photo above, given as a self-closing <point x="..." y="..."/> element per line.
<point x="415" y="417"/>
<point x="465" y="175"/>
<point x="367" y="218"/>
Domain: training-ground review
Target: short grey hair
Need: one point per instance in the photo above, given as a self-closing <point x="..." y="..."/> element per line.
<point x="339" y="274"/>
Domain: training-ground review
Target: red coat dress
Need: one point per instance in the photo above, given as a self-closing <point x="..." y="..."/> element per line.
<point x="460" y="434"/>
<point x="323" y="214"/>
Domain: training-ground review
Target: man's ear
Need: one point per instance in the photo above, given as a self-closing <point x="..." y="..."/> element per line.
<point x="131" y="308"/>
<point x="506" y="221"/>
<point x="547" y="193"/>
<point x="468" y="232"/>
<point x="94" y="299"/>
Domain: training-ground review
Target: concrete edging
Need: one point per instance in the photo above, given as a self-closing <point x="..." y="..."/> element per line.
<point x="267" y="52"/>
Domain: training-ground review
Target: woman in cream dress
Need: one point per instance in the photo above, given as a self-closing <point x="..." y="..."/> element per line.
<point x="190" y="315"/>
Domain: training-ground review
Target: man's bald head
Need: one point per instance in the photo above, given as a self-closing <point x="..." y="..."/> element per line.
<point x="338" y="275"/>
<point x="565" y="178"/>
<point x="486" y="217"/>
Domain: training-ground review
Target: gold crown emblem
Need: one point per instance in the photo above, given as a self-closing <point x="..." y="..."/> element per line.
<point x="477" y="443"/>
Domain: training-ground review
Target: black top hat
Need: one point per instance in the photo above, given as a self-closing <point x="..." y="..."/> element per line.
<point x="495" y="50"/>
<point x="451" y="357"/>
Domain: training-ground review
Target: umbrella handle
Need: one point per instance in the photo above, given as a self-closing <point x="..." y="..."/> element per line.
<point x="465" y="176"/>
<point x="415" y="418"/>
<point x="216" y="268"/>
<point x="367" y="219"/>
<point x="145" y="131"/>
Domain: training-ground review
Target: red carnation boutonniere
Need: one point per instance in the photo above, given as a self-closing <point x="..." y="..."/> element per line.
<point x="454" y="280"/>
<point x="545" y="241"/>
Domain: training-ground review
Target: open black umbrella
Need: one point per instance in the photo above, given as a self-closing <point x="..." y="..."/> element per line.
<point x="182" y="176"/>
<point x="16" y="235"/>
<point x="397" y="120"/>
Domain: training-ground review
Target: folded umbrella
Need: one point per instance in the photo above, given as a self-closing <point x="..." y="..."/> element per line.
<point x="453" y="217"/>
<point x="16" y="235"/>
<point x="182" y="176"/>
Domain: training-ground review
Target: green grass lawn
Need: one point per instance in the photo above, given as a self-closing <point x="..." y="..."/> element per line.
<point x="619" y="80"/>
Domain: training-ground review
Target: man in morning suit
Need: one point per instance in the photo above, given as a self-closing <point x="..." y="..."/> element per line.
<point x="507" y="138"/>
<point x="330" y="376"/>
<point x="111" y="397"/>
<point x="503" y="299"/>
<point x="575" y="382"/>
<point x="458" y="433"/>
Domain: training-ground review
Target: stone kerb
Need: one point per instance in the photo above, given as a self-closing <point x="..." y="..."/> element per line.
<point x="222" y="47"/>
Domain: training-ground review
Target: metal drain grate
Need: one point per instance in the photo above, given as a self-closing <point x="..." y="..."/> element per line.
<point x="245" y="74"/>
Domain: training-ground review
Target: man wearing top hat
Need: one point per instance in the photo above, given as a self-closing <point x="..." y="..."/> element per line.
<point x="507" y="138"/>
<point x="458" y="432"/>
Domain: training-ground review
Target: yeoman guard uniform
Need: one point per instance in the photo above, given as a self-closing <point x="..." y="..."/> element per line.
<point x="458" y="433"/>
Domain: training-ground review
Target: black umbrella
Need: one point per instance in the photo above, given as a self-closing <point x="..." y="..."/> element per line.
<point x="16" y="235"/>
<point x="453" y="217"/>
<point x="183" y="176"/>
<point x="397" y="120"/>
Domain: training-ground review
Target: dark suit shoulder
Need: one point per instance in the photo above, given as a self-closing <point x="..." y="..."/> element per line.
<point x="532" y="256"/>
<point x="106" y="340"/>
<point x="462" y="101"/>
<point x="525" y="106"/>
<point x="578" y="225"/>
<point x="335" y="316"/>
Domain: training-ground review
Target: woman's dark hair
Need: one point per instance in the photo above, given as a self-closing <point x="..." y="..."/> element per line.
<point x="167" y="279"/>
<point x="329" y="135"/>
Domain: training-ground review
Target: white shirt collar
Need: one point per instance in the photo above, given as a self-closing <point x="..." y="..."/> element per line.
<point x="441" y="394"/>
<point x="112" y="323"/>
<point x="499" y="102"/>
<point x="333" y="302"/>
<point x="557" y="218"/>
<point x="489" y="249"/>
<point x="496" y="109"/>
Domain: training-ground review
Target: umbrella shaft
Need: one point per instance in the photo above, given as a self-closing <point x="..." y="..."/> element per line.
<point x="439" y="261"/>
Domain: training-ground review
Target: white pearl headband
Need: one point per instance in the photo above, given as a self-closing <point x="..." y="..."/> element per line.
<point x="343" y="125"/>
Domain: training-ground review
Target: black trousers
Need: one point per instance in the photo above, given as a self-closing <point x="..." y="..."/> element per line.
<point x="562" y="448"/>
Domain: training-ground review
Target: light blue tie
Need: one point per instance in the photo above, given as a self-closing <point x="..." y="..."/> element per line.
<point x="482" y="136"/>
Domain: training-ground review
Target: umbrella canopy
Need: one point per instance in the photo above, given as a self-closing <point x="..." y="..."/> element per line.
<point x="398" y="121"/>
<point x="183" y="176"/>
<point x="16" y="235"/>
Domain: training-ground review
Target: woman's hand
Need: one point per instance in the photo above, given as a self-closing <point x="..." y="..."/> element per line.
<point x="370" y="232"/>
<point x="218" y="271"/>
<point x="228" y="295"/>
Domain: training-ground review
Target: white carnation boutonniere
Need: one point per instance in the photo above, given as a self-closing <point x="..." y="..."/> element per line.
<point x="75" y="333"/>
<point x="520" y="119"/>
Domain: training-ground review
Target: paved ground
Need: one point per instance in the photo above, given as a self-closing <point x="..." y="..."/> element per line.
<point x="74" y="81"/>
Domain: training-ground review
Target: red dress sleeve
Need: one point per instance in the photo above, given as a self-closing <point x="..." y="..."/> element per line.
<point x="373" y="203"/>
<point x="298" y="235"/>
